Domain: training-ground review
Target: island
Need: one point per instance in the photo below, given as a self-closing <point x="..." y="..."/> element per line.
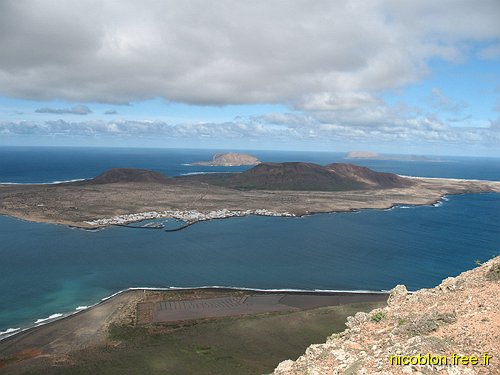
<point x="230" y="159"/>
<point x="293" y="189"/>
<point x="368" y="155"/>
<point x="362" y="155"/>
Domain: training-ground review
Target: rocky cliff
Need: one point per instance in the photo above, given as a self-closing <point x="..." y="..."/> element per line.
<point x="453" y="328"/>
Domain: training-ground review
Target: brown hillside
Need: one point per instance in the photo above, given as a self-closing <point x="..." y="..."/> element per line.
<point x="368" y="176"/>
<point x="305" y="176"/>
<point x="123" y="175"/>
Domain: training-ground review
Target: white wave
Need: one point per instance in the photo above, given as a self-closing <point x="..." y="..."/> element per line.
<point x="284" y="290"/>
<point x="53" y="316"/>
<point x="13" y="331"/>
<point x="195" y="173"/>
<point x="114" y="294"/>
<point x="236" y="288"/>
<point x="63" y="182"/>
<point x="43" y="183"/>
<point x="444" y="178"/>
<point x="9" y="330"/>
<point x="205" y="172"/>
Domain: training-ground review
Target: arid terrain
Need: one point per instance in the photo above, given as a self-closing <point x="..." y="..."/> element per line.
<point x="460" y="317"/>
<point x="182" y="332"/>
<point x="122" y="192"/>
<point x="242" y="332"/>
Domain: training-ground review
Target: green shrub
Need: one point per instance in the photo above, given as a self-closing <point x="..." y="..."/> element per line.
<point x="377" y="317"/>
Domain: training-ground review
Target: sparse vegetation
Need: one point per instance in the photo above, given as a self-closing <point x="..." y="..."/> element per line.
<point x="377" y="317"/>
<point x="235" y="345"/>
<point x="126" y="332"/>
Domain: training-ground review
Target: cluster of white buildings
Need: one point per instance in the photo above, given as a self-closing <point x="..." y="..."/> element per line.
<point x="189" y="216"/>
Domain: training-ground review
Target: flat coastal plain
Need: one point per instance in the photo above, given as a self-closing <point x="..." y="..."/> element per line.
<point x="76" y="204"/>
<point x="195" y="331"/>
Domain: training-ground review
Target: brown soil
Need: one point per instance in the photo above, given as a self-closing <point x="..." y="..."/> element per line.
<point x="73" y="204"/>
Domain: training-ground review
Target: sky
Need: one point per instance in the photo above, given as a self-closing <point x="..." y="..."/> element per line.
<point x="389" y="76"/>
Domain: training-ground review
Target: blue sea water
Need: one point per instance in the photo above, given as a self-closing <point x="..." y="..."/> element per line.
<point x="46" y="164"/>
<point x="47" y="269"/>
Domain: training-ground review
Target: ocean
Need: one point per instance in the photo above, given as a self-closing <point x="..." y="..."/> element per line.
<point x="47" y="270"/>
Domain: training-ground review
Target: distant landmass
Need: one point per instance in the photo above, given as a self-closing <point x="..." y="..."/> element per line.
<point x="230" y="159"/>
<point x="306" y="177"/>
<point x="122" y="195"/>
<point x="375" y="156"/>
<point x="269" y="176"/>
<point x="362" y="155"/>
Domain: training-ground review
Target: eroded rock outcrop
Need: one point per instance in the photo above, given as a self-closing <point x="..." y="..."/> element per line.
<point x="459" y="317"/>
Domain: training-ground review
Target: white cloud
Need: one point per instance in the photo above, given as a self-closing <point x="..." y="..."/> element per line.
<point x="264" y="51"/>
<point x="335" y="102"/>
<point x="76" y="110"/>
<point x="293" y="127"/>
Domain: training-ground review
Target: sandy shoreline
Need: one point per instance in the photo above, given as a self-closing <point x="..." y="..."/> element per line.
<point x="89" y="326"/>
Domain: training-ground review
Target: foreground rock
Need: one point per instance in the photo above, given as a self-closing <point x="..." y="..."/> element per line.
<point x="460" y="317"/>
<point x="230" y="159"/>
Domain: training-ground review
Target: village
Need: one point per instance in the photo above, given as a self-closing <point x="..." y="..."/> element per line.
<point x="189" y="216"/>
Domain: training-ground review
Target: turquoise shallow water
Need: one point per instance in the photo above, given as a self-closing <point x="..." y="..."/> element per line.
<point x="47" y="269"/>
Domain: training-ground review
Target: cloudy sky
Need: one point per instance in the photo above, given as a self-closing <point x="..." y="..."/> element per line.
<point x="388" y="76"/>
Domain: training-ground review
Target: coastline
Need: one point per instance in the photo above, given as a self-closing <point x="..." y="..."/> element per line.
<point x="124" y="220"/>
<point x="213" y="288"/>
<point x="99" y="206"/>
